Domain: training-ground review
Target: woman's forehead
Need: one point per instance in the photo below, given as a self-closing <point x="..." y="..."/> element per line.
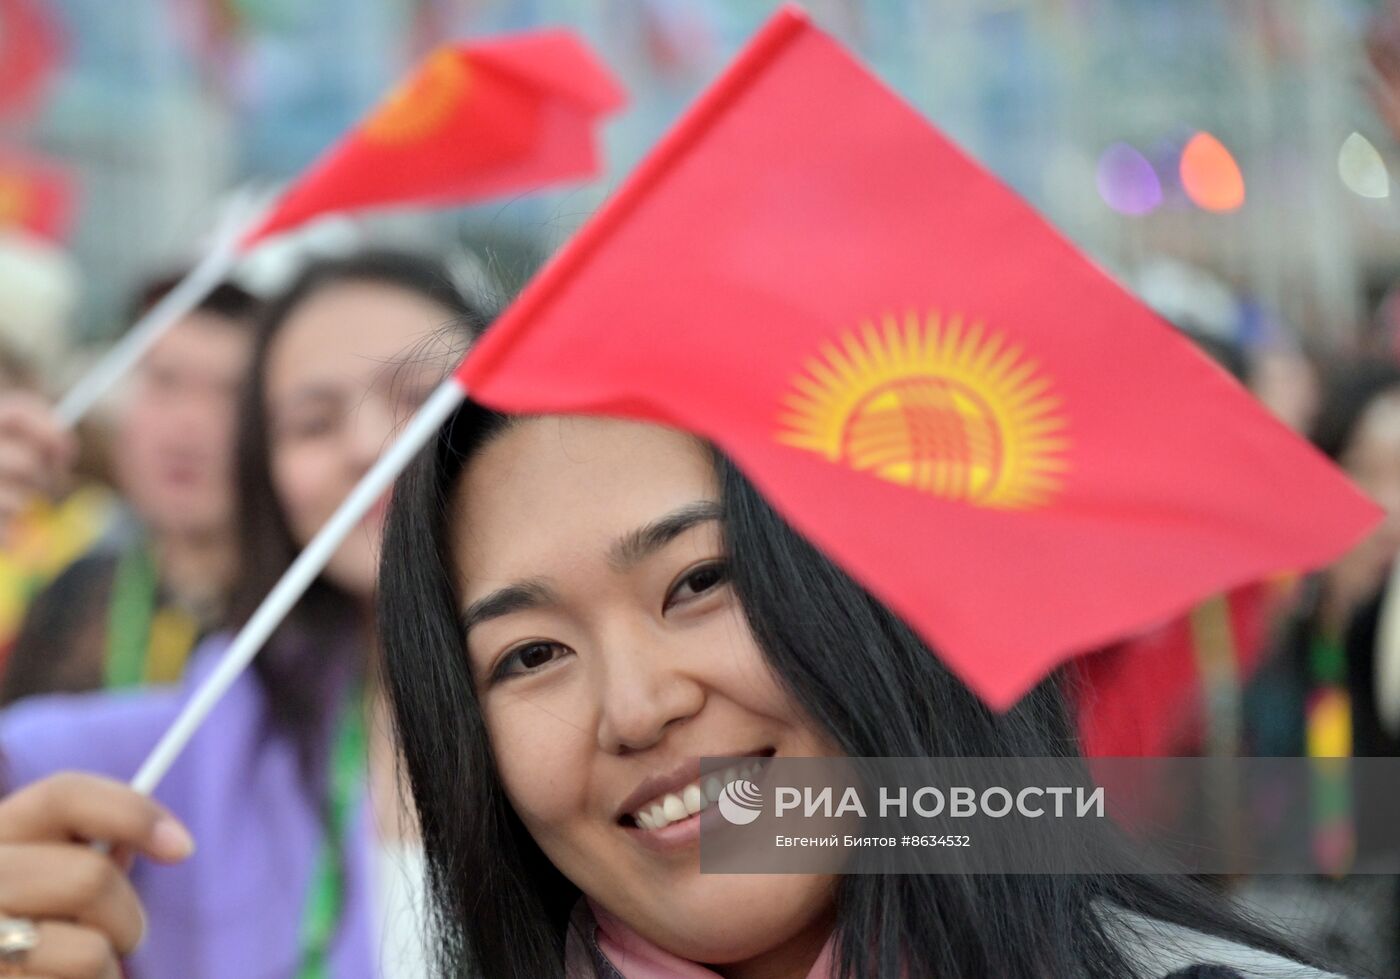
<point x="552" y="486"/>
<point x="354" y="330"/>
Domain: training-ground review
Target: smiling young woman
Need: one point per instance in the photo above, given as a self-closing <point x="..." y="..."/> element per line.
<point x="574" y="611"/>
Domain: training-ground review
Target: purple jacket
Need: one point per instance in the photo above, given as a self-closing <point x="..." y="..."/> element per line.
<point x="234" y="909"/>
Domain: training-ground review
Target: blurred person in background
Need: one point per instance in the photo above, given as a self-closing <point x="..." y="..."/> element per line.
<point x="47" y="531"/>
<point x="307" y="864"/>
<point x="131" y="613"/>
<point x="1359" y="427"/>
<point x="1314" y="694"/>
<point x="1285" y="380"/>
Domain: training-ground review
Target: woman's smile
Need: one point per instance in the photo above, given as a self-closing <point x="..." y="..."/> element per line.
<point x="665" y="812"/>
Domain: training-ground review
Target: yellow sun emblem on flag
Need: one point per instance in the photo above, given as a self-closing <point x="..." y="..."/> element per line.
<point x="948" y="409"/>
<point x="423" y="102"/>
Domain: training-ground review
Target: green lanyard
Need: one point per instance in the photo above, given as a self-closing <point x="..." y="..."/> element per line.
<point x="133" y="606"/>
<point x="1329" y="735"/>
<point x="325" y="900"/>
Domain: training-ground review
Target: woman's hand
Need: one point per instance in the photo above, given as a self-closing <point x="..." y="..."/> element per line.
<point x="83" y="910"/>
<point x="36" y="452"/>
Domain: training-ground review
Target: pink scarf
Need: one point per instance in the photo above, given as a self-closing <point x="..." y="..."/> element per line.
<point x="636" y="958"/>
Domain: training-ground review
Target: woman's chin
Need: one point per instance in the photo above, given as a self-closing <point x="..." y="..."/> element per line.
<point x="352" y="568"/>
<point x="724" y="918"/>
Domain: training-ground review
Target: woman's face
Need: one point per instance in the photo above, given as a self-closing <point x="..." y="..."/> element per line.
<point x="609" y="655"/>
<point x="347" y="367"/>
<point x="176" y="427"/>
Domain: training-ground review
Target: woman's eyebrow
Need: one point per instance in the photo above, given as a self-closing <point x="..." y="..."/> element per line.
<point x="517" y="597"/>
<point x="533" y="593"/>
<point x="637" y="545"/>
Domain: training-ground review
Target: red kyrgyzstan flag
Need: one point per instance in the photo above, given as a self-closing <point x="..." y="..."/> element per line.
<point x="30" y="50"/>
<point x="36" y="196"/>
<point x="925" y="378"/>
<point x="473" y="121"/>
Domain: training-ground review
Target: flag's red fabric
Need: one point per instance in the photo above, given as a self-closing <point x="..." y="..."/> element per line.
<point x="36" y="195"/>
<point x="473" y="121"/>
<point x="921" y="374"/>
<point x="30" y="50"/>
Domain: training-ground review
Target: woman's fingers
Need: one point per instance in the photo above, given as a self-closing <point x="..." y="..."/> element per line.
<point x="69" y="951"/>
<point x="72" y="806"/>
<point x="86" y="910"/>
<point x="46" y="881"/>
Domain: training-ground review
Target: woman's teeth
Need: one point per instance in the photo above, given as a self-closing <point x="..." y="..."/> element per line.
<point x="675" y="806"/>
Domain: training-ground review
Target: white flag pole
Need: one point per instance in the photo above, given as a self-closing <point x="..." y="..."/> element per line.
<point x="269" y="615"/>
<point x="172" y="307"/>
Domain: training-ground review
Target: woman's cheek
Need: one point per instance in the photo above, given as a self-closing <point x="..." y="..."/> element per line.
<point x="738" y="671"/>
<point x="301" y="474"/>
<point x="543" y="759"/>
<point x="736" y="666"/>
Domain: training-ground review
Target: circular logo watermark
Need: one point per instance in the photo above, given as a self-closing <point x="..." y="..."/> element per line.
<point x="740" y="802"/>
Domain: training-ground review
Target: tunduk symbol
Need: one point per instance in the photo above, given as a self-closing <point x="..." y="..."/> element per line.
<point x="740" y="802"/>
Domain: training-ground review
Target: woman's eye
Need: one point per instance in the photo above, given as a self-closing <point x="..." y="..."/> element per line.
<point x="529" y="657"/>
<point x="697" y="582"/>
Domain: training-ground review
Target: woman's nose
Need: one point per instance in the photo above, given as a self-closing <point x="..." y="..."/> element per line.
<point x="644" y="691"/>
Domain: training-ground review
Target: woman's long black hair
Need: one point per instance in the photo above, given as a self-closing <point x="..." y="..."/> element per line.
<point x="322" y="645"/>
<point x="502" y="910"/>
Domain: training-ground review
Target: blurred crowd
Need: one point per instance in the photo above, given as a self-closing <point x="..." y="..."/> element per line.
<point x="227" y="448"/>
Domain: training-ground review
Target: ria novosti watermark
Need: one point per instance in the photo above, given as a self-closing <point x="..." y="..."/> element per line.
<point x="1054" y="815"/>
<point x="930" y="801"/>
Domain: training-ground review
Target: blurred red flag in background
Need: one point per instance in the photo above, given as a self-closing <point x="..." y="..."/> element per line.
<point x="924" y="377"/>
<point x="1152" y="695"/>
<point x="36" y="195"/>
<point x="30" y="51"/>
<point x="473" y="121"/>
